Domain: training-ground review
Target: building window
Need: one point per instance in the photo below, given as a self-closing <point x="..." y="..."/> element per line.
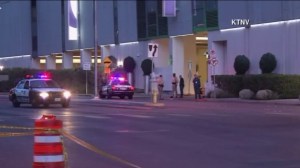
<point x="205" y="14"/>
<point x="151" y="22"/>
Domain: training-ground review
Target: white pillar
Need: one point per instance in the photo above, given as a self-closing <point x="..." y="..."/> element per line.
<point x="67" y="60"/>
<point x="105" y="52"/>
<point x="50" y="62"/>
<point x="35" y="63"/>
<point x="190" y="55"/>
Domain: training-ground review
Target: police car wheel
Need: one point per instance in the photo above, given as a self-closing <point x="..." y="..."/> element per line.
<point x="65" y="105"/>
<point x="101" y="95"/>
<point x="15" y="102"/>
<point x="108" y="95"/>
<point x="34" y="103"/>
<point x="46" y="105"/>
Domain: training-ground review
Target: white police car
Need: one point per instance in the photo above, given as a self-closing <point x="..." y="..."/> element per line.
<point x="117" y="86"/>
<point x="39" y="91"/>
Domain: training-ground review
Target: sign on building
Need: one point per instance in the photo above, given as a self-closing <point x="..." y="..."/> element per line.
<point x="152" y="50"/>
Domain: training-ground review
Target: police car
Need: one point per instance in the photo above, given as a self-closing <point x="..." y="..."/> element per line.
<point x="39" y="91"/>
<point x="117" y="86"/>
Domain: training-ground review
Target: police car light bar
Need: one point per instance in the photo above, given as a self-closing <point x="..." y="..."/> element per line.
<point x="117" y="78"/>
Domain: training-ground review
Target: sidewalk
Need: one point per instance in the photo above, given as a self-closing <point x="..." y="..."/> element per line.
<point x="142" y="97"/>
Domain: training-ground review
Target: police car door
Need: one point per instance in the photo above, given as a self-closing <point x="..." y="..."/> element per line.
<point x="19" y="91"/>
<point x="26" y="92"/>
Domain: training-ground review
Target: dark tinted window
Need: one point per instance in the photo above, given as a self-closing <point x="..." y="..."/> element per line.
<point x="118" y="82"/>
<point x="43" y="84"/>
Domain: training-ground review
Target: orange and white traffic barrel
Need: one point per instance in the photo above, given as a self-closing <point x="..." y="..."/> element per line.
<point x="48" y="146"/>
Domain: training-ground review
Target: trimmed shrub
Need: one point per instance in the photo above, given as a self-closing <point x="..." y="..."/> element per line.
<point x="267" y="63"/>
<point x="286" y="86"/>
<point x="129" y="64"/>
<point x="231" y="83"/>
<point x="246" y="94"/>
<point x="72" y="79"/>
<point x="147" y="66"/>
<point x="241" y="64"/>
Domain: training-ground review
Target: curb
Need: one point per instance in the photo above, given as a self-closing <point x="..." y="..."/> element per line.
<point x="155" y="104"/>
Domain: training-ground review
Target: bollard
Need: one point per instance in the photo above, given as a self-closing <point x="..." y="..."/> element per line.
<point x="154" y="96"/>
<point x="48" y="147"/>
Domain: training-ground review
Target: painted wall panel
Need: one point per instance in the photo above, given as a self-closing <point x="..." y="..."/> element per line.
<point x="15" y="26"/>
<point x="257" y="11"/>
<point x="182" y="23"/>
<point x="49" y="27"/>
<point x="86" y="21"/>
<point x="69" y="44"/>
<point x="127" y="21"/>
<point x="280" y="39"/>
<point x="105" y="18"/>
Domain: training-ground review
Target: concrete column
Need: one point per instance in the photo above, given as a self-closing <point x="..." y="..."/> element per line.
<point x="183" y="49"/>
<point x="85" y="57"/>
<point x="67" y="60"/>
<point x="190" y="55"/>
<point x="105" y="52"/>
<point x="50" y="62"/>
<point x="35" y="63"/>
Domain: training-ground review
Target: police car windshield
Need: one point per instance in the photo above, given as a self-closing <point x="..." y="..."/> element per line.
<point x="118" y="82"/>
<point x="43" y="84"/>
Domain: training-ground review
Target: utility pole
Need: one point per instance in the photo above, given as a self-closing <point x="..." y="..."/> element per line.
<point x="96" y="48"/>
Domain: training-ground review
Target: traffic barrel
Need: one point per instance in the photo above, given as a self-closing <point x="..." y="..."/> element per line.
<point x="48" y="146"/>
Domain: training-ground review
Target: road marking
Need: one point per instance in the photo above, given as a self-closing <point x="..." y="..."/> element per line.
<point x="132" y="115"/>
<point x="96" y="117"/>
<point x="140" y="131"/>
<point x="180" y="115"/>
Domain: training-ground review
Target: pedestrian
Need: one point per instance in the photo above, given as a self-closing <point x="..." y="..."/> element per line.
<point x="181" y="85"/>
<point x="160" y="83"/>
<point x="174" y="86"/>
<point x="197" y="86"/>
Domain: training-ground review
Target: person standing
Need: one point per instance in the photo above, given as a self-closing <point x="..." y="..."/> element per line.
<point x="174" y="86"/>
<point x="181" y="85"/>
<point x="160" y="83"/>
<point x="197" y="86"/>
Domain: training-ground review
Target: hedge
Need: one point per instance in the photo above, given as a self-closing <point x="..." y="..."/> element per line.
<point x="73" y="79"/>
<point x="287" y="86"/>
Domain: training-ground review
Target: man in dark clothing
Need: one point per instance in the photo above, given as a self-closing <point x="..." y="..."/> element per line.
<point x="181" y="85"/>
<point x="197" y="86"/>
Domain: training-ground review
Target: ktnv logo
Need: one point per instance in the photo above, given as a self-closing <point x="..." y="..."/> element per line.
<point x="240" y="22"/>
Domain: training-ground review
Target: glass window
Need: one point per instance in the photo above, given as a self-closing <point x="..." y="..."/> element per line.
<point x="43" y="84"/>
<point x="20" y="85"/>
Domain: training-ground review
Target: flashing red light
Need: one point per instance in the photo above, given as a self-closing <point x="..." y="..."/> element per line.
<point x="117" y="78"/>
<point x="28" y="76"/>
<point x="43" y="76"/>
<point x="131" y="88"/>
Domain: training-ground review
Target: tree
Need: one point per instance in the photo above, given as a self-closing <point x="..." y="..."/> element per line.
<point x="129" y="64"/>
<point x="267" y="63"/>
<point x="147" y="66"/>
<point x="147" y="69"/>
<point x="241" y="64"/>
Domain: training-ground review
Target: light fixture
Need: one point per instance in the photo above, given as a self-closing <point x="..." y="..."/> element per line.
<point x="202" y="38"/>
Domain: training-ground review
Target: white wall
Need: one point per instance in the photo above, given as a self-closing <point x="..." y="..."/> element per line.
<point x="280" y="38"/>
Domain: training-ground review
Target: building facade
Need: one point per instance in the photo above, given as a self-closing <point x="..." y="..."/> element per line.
<point x="65" y="34"/>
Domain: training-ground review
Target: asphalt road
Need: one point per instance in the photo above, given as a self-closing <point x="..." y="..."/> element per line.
<point x="181" y="134"/>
